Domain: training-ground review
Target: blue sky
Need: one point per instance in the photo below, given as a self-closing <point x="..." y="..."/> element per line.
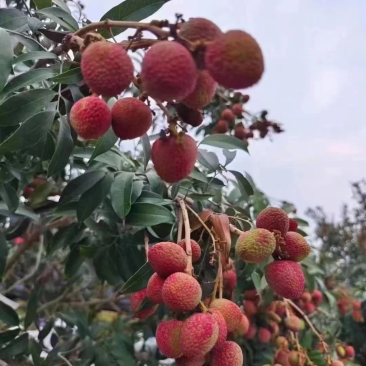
<point x="314" y="83"/>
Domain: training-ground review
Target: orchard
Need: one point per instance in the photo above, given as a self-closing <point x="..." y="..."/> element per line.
<point x="123" y="240"/>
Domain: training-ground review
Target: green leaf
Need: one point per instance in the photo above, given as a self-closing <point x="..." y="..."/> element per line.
<point x="35" y="55"/>
<point x="121" y="192"/>
<point x="35" y="350"/>
<point x="46" y="330"/>
<point x="3" y="253"/>
<point x="29" y="133"/>
<point x="34" y="24"/>
<point x="150" y="197"/>
<point x="138" y="280"/>
<point x="8" y="315"/>
<point x="147" y="214"/>
<point x="208" y="159"/>
<point x="244" y="186"/>
<point x="73" y="76"/>
<point x="65" y="236"/>
<point x="39" y="196"/>
<point x="225" y="141"/>
<point x="29" y="43"/>
<point x="136" y="190"/>
<point x="17" y="347"/>
<point x="229" y="155"/>
<point x="197" y="175"/>
<point x="248" y="269"/>
<point x="64" y="148"/>
<point x="256" y="280"/>
<point x="6" y="57"/>
<point x="61" y="17"/>
<point x="134" y="10"/>
<point x="7" y="336"/>
<point x="317" y="358"/>
<point x="13" y="19"/>
<point x="62" y="5"/>
<point x="73" y="262"/>
<point x="32" y="101"/>
<point x="145" y="142"/>
<point x="175" y="190"/>
<point x="10" y="196"/>
<point x="307" y="339"/>
<point x="104" y="144"/>
<point x="40" y="4"/>
<point x="301" y="222"/>
<point x="93" y="197"/>
<point x="31" y="308"/>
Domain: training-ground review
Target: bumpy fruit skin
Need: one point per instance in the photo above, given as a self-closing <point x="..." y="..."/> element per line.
<point x="136" y="300"/>
<point x="285" y="278"/>
<point x="131" y="118"/>
<point x="292" y="225"/>
<point x="167" y="258"/>
<point x="309" y="308"/>
<point x="181" y="292"/>
<point x="168" y="338"/>
<point x="230" y="280"/>
<point x="174" y="157"/>
<point x="244" y="326"/>
<point x="196" y="249"/>
<point x="281" y="357"/>
<point x="306" y="296"/>
<point x="230" y="354"/>
<point x="107" y="68"/>
<point x="187" y="361"/>
<point x="294" y="247"/>
<point x="222" y="328"/>
<point x="237" y="109"/>
<point x="293" y="323"/>
<point x="90" y="117"/>
<point x="235" y="60"/>
<point x="190" y="116"/>
<point x="199" y="29"/>
<point x="199" y="335"/>
<point x="154" y="289"/>
<point x="281" y="342"/>
<point x="168" y="71"/>
<point x="250" y="308"/>
<point x="239" y="132"/>
<point x="350" y="351"/>
<point x="252" y="332"/>
<point x="317" y="297"/>
<point x="203" y="92"/>
<point x="220" y="127"/>
<point x="228" y="115"/>
<point x="255" y="246"/>
<point x="264" y="335"/>
<point x="251" y="295"/>
<point x="273" y="219"/>
<point x="296" y="358"/>
<point x="230" y="311"/>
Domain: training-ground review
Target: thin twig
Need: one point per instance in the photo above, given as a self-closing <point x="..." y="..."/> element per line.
<point x="187" y="235"/>
<point x="180" y="226"/>
<point x="57" y="300"/>
<point x="235" y="230"/>
<point x="64" y="359"/>
<point x="146" y="242"/>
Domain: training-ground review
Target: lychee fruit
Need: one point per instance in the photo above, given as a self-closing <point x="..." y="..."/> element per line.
<point x="255" y="246"/>
<point x="251" y="295"/>
<point x="188" y="361"/>
<point x="220" y="127"/>
<point x="230" y="311"/>
<point x="293" y="323"/>
<point x="168" y="71"/>
<point x="199" y="29"/>
<point x="167" y="258"/>
<point x="296" y="358"/>
<point x="244" y="325"/>
<point x="239" y="132"/>
<point x="230" y="354"/>
<point x="252" y="332"/>
<point x="341" y="352"/>
<point x="309" y="308"/>
<point x="235" y="60"/>
<point x="154" y="289"/>
<point x="222" y="328"/>
<point x="280" y="308"/>
<point x="273" y="219"/>
<point x="196" y="249"/>
<point x="168" y="338"/>
<point x="317" y="297"/>
<point x="190" y="116"/>
<point x="250" y="308"/>
<point x="249" y="135"/>
<point x="306" y="296"/>
<point x="356" y="315"/>
<point x="356" y="304"/>
<point x="181" y="292"/>
<point x="294" y="247"/>
<point x="203" y="92"/>
<point x="90" y="117"/>
<point x="285" y="278"/>
<point x="131" y="118"/>
<point x="274" y="326"/>
<point x="237" y="109"/>
<point x="199" y="334"/>
<point x="281" y="357"/>
<point x="264" y="335"/>
<point x="337" y="363"/>
<point x="271" y="315"/>
<point x="107" y="68"/>
<point x="292" y="225"/>
<point x="136" y="300"/>
<point x="350" y="351"/>
<point x="174" y="157"/>
<point x="230" y="280"/>
<point x="228" y="115"/>
<point x="281" y="342"/>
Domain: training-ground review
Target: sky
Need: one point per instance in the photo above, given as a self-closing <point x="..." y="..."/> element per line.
<point x="314" y="84"/>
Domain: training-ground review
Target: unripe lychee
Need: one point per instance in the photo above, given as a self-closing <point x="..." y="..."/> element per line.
<point x="281" y="357"/>
<point x="306" y="296"/>
<point x="181" y="292"/>
<point x="281" y="342"/>
<point x="294" y="247"/>
<point x="235" y="60"/>
<point x="239" y="132"/>
<point x="174" y="157"/>
<point x="350" y="351"/>
<point x="296" y="358"/>
<point x="220" y="127"/>
<point x="168" y="338"/>
<point x="167" y="258"/>
<point x="230" y="311"/>
<point x="252" y="332"/>
<point x="199" y="334"/>
<point x="237" y="109"/>
<point x="271" y="315"/>
<point x="222" y="328"/>
<point x="230" y="354"/>
<point x="285" y="278"/>
<point x="250" y="308"/>
<point x="187" y="361"/>
<point x="244" y="325"/>
<point x="199" y="29"/>
<point x="90" y="117"/>
<point x="154" y="289"/>
<point x="292" y="225"/>
<point x="341" y="352"/>
<point x="264" y="335"/>
<point x="190" y="116"/>
<point x="203" y="92"/>
<point x="293" y="323"/>
<point x="131" y="118"/>
<point x="196" y="249"/>
<point x="230" y="279"/>
<point x="107" y="68"/>
<point x="136" y="300"/>
<point x="309" y="308"/>
<point x="168" y="71"/>
<point x="255" y="246"/>
<point x="273" y="219"/>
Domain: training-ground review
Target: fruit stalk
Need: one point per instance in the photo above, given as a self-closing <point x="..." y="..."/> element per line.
<point x="235" y="230"/>
<point x="187" y="234"/>
<point x="146" y="243"/>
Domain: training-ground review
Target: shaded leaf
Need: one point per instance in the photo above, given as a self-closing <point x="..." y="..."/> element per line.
<point x="104" y="144"/>
<point x="136" y="190"/>
<point x="65" y="236"/>
<point x="40" y="4"/>
<point x="208" y="159"/>
<point x="73" y="262"/>
<point x="12" y="19"/>
<point x="301" y="222"/>
<point x="62" y="5"/>
<point x="7" y="336"/>
<point x="121" y="192"/>
<point x="10" y="196"/>
<point x="225" y="141"/>
<point x="29" y="43"/>
<point x="31" y="308"/>
<point x="34" y="24"/>
<point x="147" y="214"/>
<point x="147" y="149"/>
<point x="35" y="350"/>
<point x="55" y="36"/>
<point x="244" y="186"/>
<point x="175" y="190"/>
<point x="35" y="55"/>
<point x="46" y="330"/>
<point x="73" y="76"/>
<point x="16" y="347"/>
<point x="3" y="253"/>
<point x="8" y="315"/>
<point x="229" y="155"/>
<point x="6" y="57"/>
<point x="139" y="280"/>
<point x="61" y="17"/>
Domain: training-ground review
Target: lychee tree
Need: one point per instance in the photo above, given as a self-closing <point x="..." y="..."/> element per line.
<point x="105" y="242"/>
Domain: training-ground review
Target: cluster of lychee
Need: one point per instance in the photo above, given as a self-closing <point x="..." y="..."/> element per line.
<point x="344" y="353"/>
<point x="276" y="236"/>
<point x="309" y="301"/>
<point x="345" y="304"/>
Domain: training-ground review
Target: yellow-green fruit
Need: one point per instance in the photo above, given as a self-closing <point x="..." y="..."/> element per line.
<point x="341" y="352"/>
<point x="255" y="246"/>
<point x="296" y="358"/>
<point x="106" y="316"/>
<point x="230" y="354"/>
<point x="281" y="342"/>
<point x="294" y="247"/>
<point x="168" y="338"/>
<point x="230" y="311"/>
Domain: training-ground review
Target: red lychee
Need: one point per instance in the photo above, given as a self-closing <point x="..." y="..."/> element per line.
<point x="196" y="249"/>
<point x="264" y="335"/>
<point x="317" y="297"/>
<point x="230" y="354"/>
<point x="252" y="332"/>
<point x="168" y="71"/>
<point x="168" y="338"/>
<point x="90" y="117"/>
<point x="199" y="29"/>
<point x="293" y="323"/>
<point x="309" y="308"/>
<point x="281" y="342"/>
<point x="273" y="219"/>
<point x="220" y="127"/>
<point x="237" y="109"/>
<point x="222" y="328"/>
<point x="306" y="296"/>
<point x="228" y="115"/>
<point x="154" y="289"/>
<point x="190" y="116"/>
<point x="337" y="363"/>
<point x="294" y="247"/>
<point x="230" y="279"/>
<point x="292" y="225"/>
<point x="136" y="300"/>
<point x="281" y="357"/>
<point x="350" y="351"/>
<point x="356" y="304"/>
<point x="239" y="132"/>
<point x="107" y="68"/>
<point x="174" y="157"/>
<point x="244" y="325"/>
<point x="250" y="308"/>
<point x="251" y="295"/>
<point x="230" y="311"/>
<point x="188" y="361"/>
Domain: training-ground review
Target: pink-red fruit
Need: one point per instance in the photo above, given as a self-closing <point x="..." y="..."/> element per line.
<point x="294" y="247"/>
<point x="350" y="351"/>
<point x="252" y="331"/>
<point x="222" y="328"/>
<point x="239" y="132"/>
<point x="293" y="323"/>
<point x="230" y="280"/>
<point x="190" y="116"/>
<point x="273" y="219"/>
<point x="220" y="127"/>
<point x="107" y="68"/>
<point x="244" y="325"/>
<point x="230" y="354"/>
<point x="264" y="335"/>
<point x="168" y="338"/>
<point x="196" y="249"/>
<point x="237" y="109"/>
<point x="189" y="361"/>
<point x="154" y="289"/>
<point x="136" y="300"/>
<point x="317" y="297"/>
<point x="292" y="225"/>
<point x="230" y="311"/>
<point x="228" y="115"/>
<point x="199" y="29"/>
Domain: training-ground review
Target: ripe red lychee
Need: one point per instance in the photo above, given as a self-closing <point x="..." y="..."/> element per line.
<point x="154" y="289"/>
<point x="249" y="135"/>
<point x="203" y="92"/>
<point x="294" y="247"/>
<point x="244" y="325"/>
<point x="235" y="60"/>
<point x="357" y="316"/>
<point x="252" y="332"/>
<point x="168" y="338"/>
<point x="131" y="118"/>
<point x="285" y="278"/>
<point x="274" y="326"/>
<point x="228" y="115"/>
<point x="356" y="304"/>
<point x="251" y="295"/>
<point x="190" y="116"/>
<point x="264" y="335"/>
<point x="196" y="249"/>
<point x="107" y="68"/>
<point x="220" y="127"/>
<point x="250" y="308"/>
<point x="337" y="363"/>
<point x="222" y="328"/>
<point x="188" y="361"/>
<point x="136" y="300"/>
<point x="174" y="157"/>
<point x="167" y="258"/>
<point x="281" y="357"/>
<point x="230" y="279"/>
<point x="293" y="323"/>
<point x="239" y="132"/>
<point x="292" y="225"/>
<point x="280" y="308"/>
<point x="317" y="297"/>
<point x="281" y="342"/>
<point x="90" y="117"/>
<point x="181" y="292"/>
<point x="230" y="311"/>
<point x="309" y="308"/>
<point x="255" y="246"/>
<point x="273" y="219"/>
<point x="199" y="334"/>
<point x="199" y="29"/>
<point x="306" y="296"/>
<point x="350" y="351"/>
<point x="168" y="71"/>
<point x="230" y="354"/>
<point x="237" y="109"/>
<point x="296" y="358"/>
